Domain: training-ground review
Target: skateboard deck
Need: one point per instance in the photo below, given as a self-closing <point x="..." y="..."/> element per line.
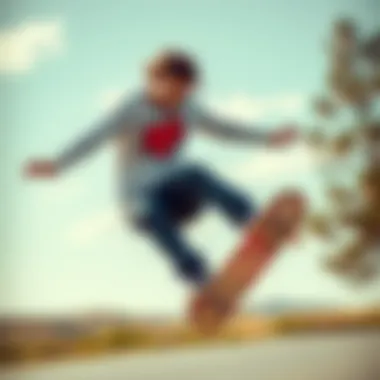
<point x="213" y="304"/>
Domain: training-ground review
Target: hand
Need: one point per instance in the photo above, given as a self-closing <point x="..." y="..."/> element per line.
<point x="41" y="169"/>
<point x="283" y="137"/>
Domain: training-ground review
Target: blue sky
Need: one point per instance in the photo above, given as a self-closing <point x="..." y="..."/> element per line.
<point x="65" y="247"/>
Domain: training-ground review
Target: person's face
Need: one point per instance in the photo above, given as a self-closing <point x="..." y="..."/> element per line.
<point x="168" y="90"/>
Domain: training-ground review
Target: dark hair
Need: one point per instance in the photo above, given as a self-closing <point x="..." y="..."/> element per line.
<point x="175" y="64"/>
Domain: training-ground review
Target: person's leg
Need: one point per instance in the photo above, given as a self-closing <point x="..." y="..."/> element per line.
<point x="168" y="236"/>
<point x="232" y="202"/>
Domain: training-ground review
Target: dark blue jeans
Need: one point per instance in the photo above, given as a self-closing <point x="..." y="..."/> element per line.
<point x="176" y="201"/>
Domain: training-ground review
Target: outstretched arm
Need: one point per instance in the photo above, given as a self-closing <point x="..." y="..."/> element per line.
<point x="110" y="126"/>
<point x="230" y="130"/>
<point x="91" y="140"/>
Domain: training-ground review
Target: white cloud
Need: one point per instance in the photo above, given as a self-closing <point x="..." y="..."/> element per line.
<point x="245" y="107"/>
<point x="90" y="228"/>
<point x="269" y="164"/>
<point x="21" y="47"/>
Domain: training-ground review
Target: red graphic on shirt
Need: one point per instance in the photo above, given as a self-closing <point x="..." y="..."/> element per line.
<point x="162" y="139"/>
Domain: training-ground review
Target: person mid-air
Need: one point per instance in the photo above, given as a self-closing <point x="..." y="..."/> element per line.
<point x="160" y="189"/>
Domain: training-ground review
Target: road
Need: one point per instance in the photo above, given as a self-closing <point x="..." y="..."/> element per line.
<point x="354" y="356"/>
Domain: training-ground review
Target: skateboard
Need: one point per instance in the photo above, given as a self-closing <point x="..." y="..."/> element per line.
<point x="213" y="304"/>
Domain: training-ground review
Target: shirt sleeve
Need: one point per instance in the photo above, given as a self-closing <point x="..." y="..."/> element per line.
<point x="228" y="129"/>
<point x="120" y="120"/>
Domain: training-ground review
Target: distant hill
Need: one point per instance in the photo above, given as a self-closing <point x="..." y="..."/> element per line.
<point x="32" y="327"/>
<point x="69" y="327"/>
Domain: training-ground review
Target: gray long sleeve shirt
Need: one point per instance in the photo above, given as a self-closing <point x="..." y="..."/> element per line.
<point x="150" y="142"/>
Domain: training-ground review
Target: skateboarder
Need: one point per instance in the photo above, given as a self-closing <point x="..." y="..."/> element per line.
<point x="160" y="189"/>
